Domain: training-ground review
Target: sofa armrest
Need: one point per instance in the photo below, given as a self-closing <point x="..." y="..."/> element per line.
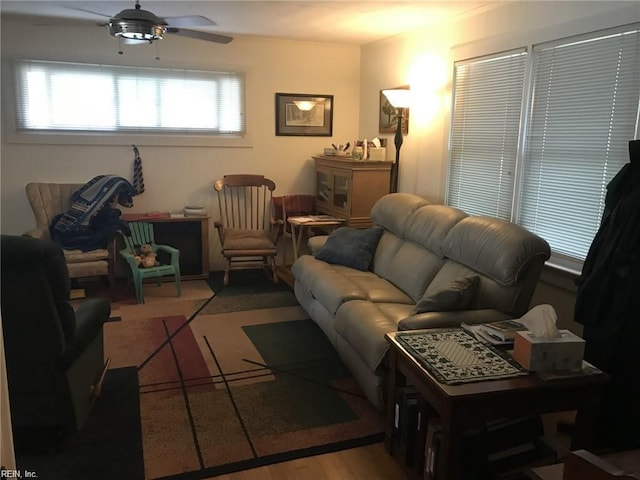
<point x="450" y="319"/>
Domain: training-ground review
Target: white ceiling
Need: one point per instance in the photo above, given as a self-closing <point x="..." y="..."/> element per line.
<point x="325" y="21"/>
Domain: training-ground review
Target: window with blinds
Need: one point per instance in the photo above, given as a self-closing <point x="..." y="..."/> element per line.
<point x="55" y="96"/>
<point x="580" y="109"/>
<point x="484" y="135"/>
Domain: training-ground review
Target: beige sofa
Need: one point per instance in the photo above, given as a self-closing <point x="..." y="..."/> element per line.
<point x="459" y="268"/>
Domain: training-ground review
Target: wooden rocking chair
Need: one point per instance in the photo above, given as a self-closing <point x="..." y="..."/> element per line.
<point x="248" y="233"/>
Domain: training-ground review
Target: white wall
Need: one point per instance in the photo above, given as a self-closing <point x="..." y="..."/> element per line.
<point x="179" y="174"/>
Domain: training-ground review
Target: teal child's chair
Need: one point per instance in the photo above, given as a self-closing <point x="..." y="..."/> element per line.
<point x="141" y="234"/>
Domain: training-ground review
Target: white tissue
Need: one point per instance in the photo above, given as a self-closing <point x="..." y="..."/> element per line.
<point x="541" y="321"/>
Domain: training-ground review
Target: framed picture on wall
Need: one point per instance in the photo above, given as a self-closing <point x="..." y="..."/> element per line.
<point x="389" y="115"/>
<point x="304" y="115"/>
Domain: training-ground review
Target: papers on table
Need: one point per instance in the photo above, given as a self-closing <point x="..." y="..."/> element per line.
<point x="315" y="218"/>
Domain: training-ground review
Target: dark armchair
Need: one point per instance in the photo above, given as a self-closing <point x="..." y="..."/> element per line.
<point x="54" y="355"/>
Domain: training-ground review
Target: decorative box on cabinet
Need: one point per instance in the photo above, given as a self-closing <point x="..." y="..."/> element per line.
<point x="190" y="235"/>
<point x="348" y="189"/>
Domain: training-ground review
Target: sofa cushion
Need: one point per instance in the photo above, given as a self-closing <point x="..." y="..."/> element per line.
<point x="496" y="248"/>
<point x="392" y="211"/>
<point x="351" y="247"/>
<point x="334" y="285"/>
<point x="409" y="253"/>
<point x="455" y="295"/>
<point x="406" y="265"/>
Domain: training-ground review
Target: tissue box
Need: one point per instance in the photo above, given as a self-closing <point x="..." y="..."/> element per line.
<point x="539" y="354"/>
<point x="377" y="154"/>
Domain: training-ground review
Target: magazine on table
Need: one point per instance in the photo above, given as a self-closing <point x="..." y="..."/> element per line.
<point x="485" y="337"/>
<point x="505" y="330"/>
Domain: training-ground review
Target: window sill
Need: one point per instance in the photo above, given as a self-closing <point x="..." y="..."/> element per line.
<point x="76" y="138"/>
<point x="559" y="277"/>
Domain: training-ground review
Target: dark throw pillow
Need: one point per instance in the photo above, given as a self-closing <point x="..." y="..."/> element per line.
<point x="351" y="247"/>
<point x="454" y="296"/>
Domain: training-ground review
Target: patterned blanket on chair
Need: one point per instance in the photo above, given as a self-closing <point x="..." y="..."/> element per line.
<point x="90" y="220"/>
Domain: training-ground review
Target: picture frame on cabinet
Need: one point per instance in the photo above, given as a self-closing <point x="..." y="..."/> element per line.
<point x="388" y="115"/>
<point x="299" y="114"/>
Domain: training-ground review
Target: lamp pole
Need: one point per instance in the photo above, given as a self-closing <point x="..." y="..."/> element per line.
<point x="397" y="140"/>
<point x="400" y="99"/>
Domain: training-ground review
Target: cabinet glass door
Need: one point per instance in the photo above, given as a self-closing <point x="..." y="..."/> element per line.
<point x="341" y="190"/>
<point x="323" y="188"/>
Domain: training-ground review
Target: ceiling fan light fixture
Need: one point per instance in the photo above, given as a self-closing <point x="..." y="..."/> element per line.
<point x="136" y="29"/>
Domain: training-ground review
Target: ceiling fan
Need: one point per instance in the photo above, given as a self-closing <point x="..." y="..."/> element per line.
<point x="136" y="25"/>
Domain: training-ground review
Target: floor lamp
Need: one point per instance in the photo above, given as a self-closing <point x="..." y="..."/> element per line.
<point x="399" y="99"/>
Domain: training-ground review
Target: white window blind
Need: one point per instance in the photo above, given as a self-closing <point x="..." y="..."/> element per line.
<point x="567" y="141"/>
<point x="484" y="136"/>
<point x="583" y="113"/>
<point x="55" y="96"/>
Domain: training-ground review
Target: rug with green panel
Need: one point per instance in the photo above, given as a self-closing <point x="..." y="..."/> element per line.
<point x="246" y="380"/>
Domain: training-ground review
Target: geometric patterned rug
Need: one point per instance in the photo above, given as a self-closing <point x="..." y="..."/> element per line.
<point x="244" y="379"/>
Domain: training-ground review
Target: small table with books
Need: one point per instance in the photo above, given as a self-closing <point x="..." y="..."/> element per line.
<point x="298" y="224"/>
<point x="449" y="409"/>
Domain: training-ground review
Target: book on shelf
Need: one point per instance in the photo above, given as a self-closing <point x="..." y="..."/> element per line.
<point x="432" y="445"/>
<point x="408" y="420"/>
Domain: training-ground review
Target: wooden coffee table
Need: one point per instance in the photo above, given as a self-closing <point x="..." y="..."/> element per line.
<point x="470" y="405"/>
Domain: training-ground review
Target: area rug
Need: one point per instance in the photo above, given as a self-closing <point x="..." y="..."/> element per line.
<point x="245" y="380"/>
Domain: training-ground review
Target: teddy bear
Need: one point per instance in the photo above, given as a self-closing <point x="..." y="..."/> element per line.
<point x="146" y="257"/>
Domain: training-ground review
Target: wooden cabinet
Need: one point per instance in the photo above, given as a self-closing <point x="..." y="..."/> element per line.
<point x="348" y="189"/>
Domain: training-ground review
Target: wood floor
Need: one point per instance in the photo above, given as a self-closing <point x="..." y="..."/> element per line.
<point x="364" y="463"/>
<point x="368" y="463"/>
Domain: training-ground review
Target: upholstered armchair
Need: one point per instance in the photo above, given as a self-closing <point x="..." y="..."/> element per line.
<point x="48" y="200"/>
<point x="54" y="354"/>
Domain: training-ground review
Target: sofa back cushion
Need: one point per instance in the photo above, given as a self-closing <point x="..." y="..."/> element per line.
<point x="508" y="258"/>
<point x="496" y="248"/>
<point x="425" y="243"/>
<point x="409" y="253"/>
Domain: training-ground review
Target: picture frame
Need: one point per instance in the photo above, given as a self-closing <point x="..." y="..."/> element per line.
<point x="388" y="115"/>
<point x="294" y="118"/>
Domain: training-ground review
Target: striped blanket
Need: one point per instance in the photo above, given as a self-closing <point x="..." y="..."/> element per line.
<point x="70" y="227"/>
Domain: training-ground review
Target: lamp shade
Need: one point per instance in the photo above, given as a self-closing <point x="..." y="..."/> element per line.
<point x="398" y="97"/>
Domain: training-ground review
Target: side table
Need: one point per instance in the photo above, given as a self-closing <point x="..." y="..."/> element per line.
<point x="466" y="406"/>
<point x="298" y="224"/>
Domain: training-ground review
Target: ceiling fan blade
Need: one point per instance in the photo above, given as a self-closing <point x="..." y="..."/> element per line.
<point x="189" y="21"/>
<point x="209" y="37"/>
<point x="89" y="11"/>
